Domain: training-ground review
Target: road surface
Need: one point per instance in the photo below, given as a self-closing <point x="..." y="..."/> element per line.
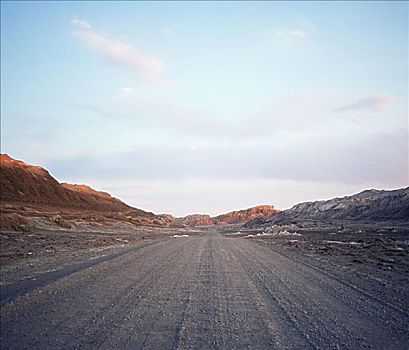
<point x="204" y="292"/>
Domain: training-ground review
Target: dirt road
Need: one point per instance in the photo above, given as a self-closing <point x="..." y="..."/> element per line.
<point x="204" y="292"/>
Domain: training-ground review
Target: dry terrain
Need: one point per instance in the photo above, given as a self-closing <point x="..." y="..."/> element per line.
<point x="81" y="269"/>
<point x="208" y="288"/>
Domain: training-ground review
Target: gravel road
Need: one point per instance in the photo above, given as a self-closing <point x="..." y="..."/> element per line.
<point x="203" y="292"/>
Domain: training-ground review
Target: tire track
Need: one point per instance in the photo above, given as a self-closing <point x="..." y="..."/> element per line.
<point x="116" y="313"/>
<point x="325" y="317"/>
<point x="203" y="292"/>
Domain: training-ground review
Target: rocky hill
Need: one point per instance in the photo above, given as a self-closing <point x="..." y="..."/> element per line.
<point x="241" y="216"/>
<point x="30" y="191"/>
<point x="234" y="217"/>
<point x="85" y="189"/>
<point x="370" y="205"/>
<point x="193" y="220"/>
<point x="24" y="183"/>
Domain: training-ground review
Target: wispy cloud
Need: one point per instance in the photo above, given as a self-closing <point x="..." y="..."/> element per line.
<point x="292" y="33"/>
<point x="145" y="66"/>
<point x="373" y="104"/>
<point x="126" y="92"/>
<point x="365" y="158"/>
<point x="298" y="33"/>
<point x="79" y="24"/>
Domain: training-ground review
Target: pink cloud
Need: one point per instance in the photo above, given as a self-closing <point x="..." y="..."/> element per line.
<point x="373" y="104"/>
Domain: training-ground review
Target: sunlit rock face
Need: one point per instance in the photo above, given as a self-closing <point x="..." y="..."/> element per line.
<point x="242" y="216"/>
<point x="22" y="182"/>
<point x="193" y="220"/>
<point x="234" y="217"/>
<point x="32" y="198"/>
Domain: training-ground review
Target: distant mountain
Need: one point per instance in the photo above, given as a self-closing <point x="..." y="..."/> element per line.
<point x="241" y="216"/>
<point x="233" y="217"/>
<point x="369" y="205"/>
<point x="193" y="220"/>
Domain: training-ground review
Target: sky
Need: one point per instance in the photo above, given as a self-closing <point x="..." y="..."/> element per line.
<point x="207" y="107"/>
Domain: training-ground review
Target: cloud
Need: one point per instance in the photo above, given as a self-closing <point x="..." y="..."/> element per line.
<point x="167" y="116"/>
<point x="79" y="24"/>
<point x="147" y="67"/>
<point x="298" y="33"/>
<point x="295" y="33"/>
<point x="372" y="104"/>
<point x="126" y="92"/>
<point x="302" y="113"/>
<point x="166" y="31"/>
<point x="196" y="195"/>
<point x="378" y="158"/>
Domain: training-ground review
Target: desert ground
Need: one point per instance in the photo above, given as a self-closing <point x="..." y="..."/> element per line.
<point x="215" y="287"/>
